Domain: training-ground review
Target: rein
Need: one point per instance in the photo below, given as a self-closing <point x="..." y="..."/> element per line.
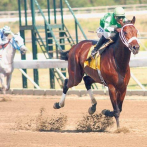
<point x="123" y="38"/>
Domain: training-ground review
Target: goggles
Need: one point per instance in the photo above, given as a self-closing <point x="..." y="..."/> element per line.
<point x="120" y="17"/>
<point x="6" y="34"/>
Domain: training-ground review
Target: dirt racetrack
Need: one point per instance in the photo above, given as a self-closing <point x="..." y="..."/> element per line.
<point x="19" y="115"/>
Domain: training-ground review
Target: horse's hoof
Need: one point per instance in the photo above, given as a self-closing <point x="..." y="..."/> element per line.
<point x="91" y="110"/>
<point x="56" y="106"/>
<point x="104" y="111"/>
<point x="107" y="113"/>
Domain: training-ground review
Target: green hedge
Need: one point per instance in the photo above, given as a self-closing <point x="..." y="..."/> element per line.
<point x="12" y="5"/>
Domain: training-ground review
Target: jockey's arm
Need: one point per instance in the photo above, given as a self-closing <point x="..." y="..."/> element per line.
<point x="2" y="42"/>
<point x="108" y="27"/>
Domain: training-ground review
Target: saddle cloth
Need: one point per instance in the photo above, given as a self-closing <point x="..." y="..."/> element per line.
<point x="95" y="62"/>
<point x="3" y="46"/>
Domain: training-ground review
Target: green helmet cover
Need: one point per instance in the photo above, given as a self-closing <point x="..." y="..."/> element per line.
<point x="119" y="11"/>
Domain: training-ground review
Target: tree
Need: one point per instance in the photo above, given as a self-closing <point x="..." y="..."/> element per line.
<point x="123" y="2"/>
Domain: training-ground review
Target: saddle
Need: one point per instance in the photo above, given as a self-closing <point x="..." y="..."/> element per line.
<point x="94" y="63"/>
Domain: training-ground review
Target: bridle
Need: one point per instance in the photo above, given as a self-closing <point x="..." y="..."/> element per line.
<point x="123" y="38"/>
<point x="15" y="45"/>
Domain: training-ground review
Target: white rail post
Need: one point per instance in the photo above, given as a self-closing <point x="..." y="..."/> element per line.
<point x="29" y="78"/>
<point x="137" y="82"/>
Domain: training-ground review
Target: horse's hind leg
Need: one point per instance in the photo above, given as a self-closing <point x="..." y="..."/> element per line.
<point x="88" y="82"/>
<point x="61" y="103"/>
<point x="75" y="77"/>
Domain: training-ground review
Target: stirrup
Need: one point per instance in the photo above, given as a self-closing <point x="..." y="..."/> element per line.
<point x="93" y="56"/>
<point x="90" y="57"/>
<point x="95" y="52"/>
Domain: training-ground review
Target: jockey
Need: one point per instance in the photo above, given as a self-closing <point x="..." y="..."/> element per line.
<point x="107" y="30"/>
<point x="4" y="32"/>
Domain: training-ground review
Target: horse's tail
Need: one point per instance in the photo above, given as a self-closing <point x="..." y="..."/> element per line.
<point x="64" y="55"/>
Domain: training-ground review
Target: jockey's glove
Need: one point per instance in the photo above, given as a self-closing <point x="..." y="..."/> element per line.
<point x="117" y="29"/>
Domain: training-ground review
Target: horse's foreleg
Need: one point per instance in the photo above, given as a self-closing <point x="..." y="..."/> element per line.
<point x="88" y="82"/>
<point x="8" y="81"/>
<point x="62" y="100"/>
<point x="118" y="107"/>
<point x="114" y="100"/>
<point x="3" y="83"/>
<point x="121" y="99"/>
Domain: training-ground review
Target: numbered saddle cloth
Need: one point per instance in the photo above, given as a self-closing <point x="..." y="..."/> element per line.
<point x="95" y="62"/>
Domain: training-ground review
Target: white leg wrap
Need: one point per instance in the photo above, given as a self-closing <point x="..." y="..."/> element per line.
<point x="93" y="100"/>
<point x="61" y="103"/>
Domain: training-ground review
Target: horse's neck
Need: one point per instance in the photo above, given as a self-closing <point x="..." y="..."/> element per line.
<point x="122" y="55"/>
<point x="8" y="54"/>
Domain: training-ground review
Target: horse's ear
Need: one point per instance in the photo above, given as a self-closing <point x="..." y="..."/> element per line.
<point x="133" y="20"/>
<point x="18" y="33"/>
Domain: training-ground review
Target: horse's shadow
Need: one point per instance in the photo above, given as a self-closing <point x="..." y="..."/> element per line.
<point x="118" y="130"/>
<point x="73" y="131"/>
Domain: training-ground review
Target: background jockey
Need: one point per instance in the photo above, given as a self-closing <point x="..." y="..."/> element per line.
<point x="108" y="26"/>
<point x="4" y="32"/>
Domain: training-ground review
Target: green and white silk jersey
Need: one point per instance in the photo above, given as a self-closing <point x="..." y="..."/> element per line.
<point x="109" y="23"/>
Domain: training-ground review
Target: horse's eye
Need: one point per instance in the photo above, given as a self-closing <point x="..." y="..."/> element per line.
<point x="125" y="33"/>
<point x="16" y="41"/>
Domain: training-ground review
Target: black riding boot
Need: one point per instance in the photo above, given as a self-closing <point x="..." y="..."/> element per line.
<point x="98" y="45"/>
<point x="108" y="42"/>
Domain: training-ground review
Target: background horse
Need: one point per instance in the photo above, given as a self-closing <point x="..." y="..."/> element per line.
<point x="6" y="60"/>
<point x="114" y="67"/>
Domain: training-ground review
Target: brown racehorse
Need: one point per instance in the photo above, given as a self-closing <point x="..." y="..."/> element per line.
<point x="114" y="67"/>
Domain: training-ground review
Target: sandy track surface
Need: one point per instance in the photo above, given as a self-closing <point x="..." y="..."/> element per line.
<point x="18" y="123"/>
